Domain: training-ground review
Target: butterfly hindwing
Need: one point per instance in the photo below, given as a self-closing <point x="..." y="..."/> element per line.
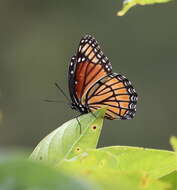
<point x="115" y="92"/>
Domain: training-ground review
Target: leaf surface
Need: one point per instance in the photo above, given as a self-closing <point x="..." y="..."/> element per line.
<point x="28" y="175"/>
<point x="155" y="163"/>
<point x="66" y="141"/>
<point x="101" y="167"/>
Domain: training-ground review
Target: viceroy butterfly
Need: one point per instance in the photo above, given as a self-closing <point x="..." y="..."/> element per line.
<point x="93" y="85"/>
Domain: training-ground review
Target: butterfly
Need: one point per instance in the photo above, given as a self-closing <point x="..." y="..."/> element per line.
<point x="93" y="85"/>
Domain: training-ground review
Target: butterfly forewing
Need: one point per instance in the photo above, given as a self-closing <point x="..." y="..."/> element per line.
<point x="88" y="66"/>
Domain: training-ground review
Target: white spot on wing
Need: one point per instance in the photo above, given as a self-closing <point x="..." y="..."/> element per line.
<point x="98" y="55"/>
<point x="95" y="50"/>
<point x="103" y="60"/>
<point x="80" y="48"/>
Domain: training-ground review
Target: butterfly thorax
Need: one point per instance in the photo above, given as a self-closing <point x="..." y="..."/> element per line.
<point x="79" y="107"/>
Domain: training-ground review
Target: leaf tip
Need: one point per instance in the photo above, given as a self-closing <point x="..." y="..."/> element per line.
<point x="101" y="112"/>
<point x="120" y="13"/>
<point x="173" y="142"/>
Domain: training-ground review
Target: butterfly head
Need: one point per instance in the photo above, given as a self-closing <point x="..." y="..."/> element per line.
<point x="73" y="106"/>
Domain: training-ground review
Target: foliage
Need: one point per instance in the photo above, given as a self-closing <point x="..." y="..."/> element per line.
<point x="127" y="4"/>
<point x="28" y="175"/>
<point x="68" y="158"/>
<point x="70" y="139"/>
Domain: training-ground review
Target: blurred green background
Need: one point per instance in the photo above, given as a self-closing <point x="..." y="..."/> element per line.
<point x="37" y="40"/>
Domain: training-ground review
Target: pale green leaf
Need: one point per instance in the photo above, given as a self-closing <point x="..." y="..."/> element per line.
<point x="173" y="142"/>
<point x="171" y="179"/>
<point x="127" y="4"/>
<point x="67" y="141"/>
<point x="116" y="180"/>
<point x="102" y="167"/>
<point x="155" y="163"/>
<point x="27" y="175"/>
<point x="90" y="160"/>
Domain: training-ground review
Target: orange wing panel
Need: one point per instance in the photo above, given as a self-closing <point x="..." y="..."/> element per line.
<point x="86" y="75"/>
<point x="111" y="93"/>
<point x="80" y="75"/>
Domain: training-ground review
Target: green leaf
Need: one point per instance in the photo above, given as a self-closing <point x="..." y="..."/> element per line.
<point x="173" y="142"/>
<point x="155" y="163"/>
<point x="171" y="179"/>
<point x="127" y="4"/>
<point x="115" y="180"/>
<point x="28" y="175"/>
<point x="90" y="160"/>
<point x="66" y="141"/>
<point x="101" y="167"/>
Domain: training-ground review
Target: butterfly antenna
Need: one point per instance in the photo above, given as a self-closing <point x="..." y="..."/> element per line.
<point x="60" y="101"/>
<point x="61" y="90"/>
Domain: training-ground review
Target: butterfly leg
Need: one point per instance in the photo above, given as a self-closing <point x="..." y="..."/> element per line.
<point x="77" y="118"/>
<point x="91" y="112"/>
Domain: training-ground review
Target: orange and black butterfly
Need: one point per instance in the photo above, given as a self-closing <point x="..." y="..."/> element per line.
<point x="93" y="85"/>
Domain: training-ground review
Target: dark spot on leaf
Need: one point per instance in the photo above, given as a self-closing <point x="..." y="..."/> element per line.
<point x="102" y="163"/>
<point x="40" y="158"/>
<point x="78" y="149"/>
<point x="144" y="181"/>
<point x="94" y="127"/>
